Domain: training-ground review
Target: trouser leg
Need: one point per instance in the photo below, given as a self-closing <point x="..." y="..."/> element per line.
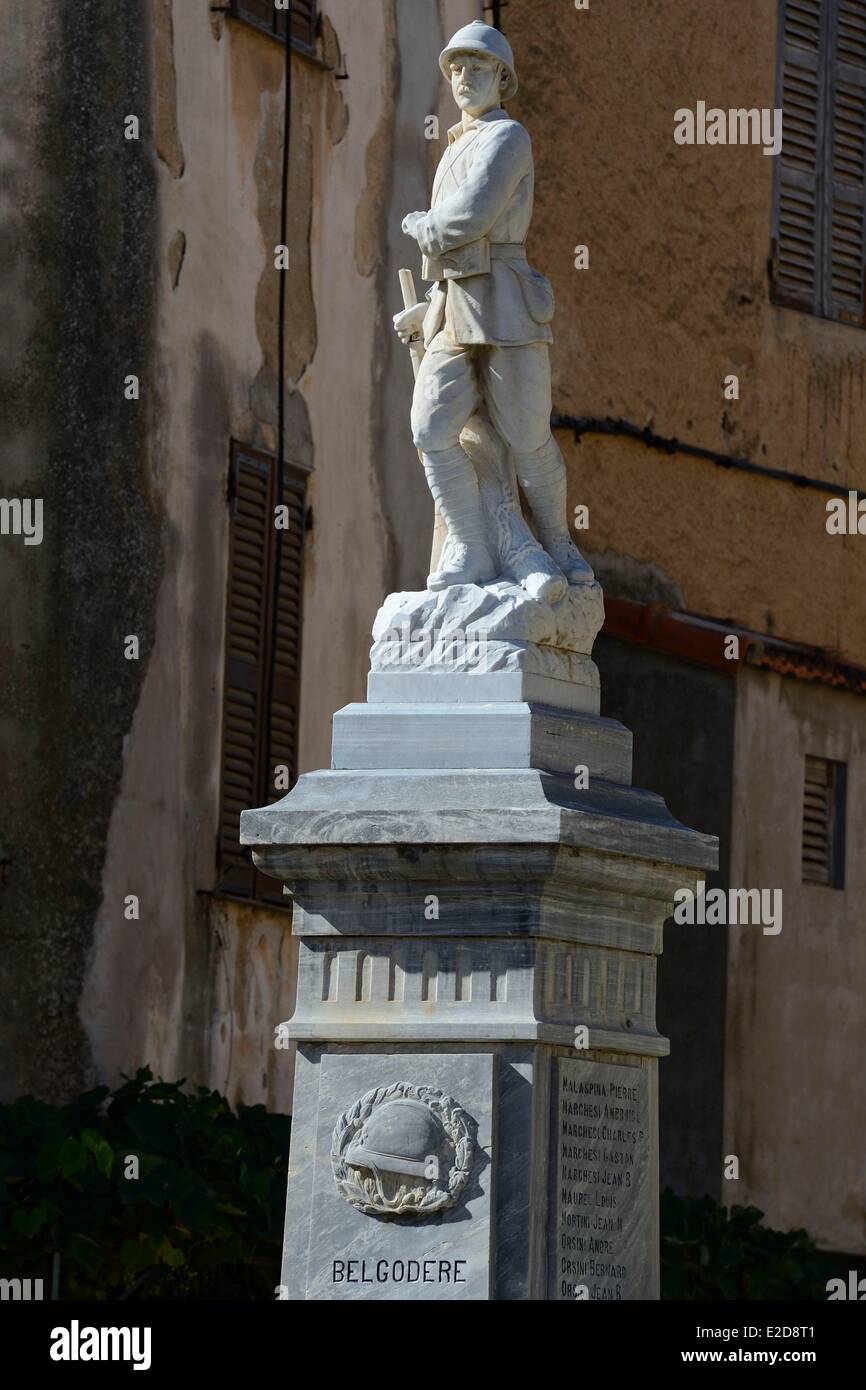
<point x="466" y="558"/>
<point x="454" y="486"/>
<point x="446" y="396"/>
<point x="517" y="386"/>
<point x="542" y="477"/>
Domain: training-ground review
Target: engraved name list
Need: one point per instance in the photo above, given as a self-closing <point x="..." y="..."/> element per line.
<point x="601" y="1130"/>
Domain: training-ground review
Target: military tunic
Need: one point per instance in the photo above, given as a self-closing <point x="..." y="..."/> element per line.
<point x="487" y="328"/>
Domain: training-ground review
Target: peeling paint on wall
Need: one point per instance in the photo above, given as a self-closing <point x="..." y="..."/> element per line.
<point x="176" y="253"/>
<point x="168" y="142"/>
<point x="378" y="158"/>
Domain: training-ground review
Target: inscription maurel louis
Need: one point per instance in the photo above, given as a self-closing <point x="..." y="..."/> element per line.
<point x="601" y="1140"/>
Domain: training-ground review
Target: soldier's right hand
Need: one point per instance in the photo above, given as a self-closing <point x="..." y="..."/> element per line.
<point x="407" y="325"/>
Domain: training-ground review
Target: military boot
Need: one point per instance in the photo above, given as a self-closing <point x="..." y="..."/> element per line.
<point x="466" y="557"/>
<point x="542" y="477"/>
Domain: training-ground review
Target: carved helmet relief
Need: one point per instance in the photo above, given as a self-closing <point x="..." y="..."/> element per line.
<point x="403" y="1150"/>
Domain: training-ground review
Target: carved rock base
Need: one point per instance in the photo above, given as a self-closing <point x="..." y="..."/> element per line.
<point x="468" y="614"/>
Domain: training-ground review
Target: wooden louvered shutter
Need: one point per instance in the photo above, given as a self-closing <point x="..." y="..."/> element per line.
<point x="845" y="219"/>
<point x="247" y="641"/>
<point x="261" y="13"/>
<point x="823" y="849"/>
<point x="304" y="22"/>
<point x="282" y="750"/>
<point x="256" y="737"/>
<point x="797" y="260"/>
<point x="264" y="15"/>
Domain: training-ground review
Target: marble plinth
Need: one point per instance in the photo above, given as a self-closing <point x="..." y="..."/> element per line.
<point x="476" y="1090"/>
<point x="511" y="734"/>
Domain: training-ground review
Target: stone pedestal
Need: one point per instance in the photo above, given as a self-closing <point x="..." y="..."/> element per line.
<point x="475" y="1109"/>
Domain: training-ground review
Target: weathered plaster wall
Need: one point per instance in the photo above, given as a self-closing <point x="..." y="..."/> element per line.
<point x="198" y="984"/>
<point x="156" y="257"/>
<point x="373" y="511"/>
<point x="676" y="298"/>
<point x="682" y="718"/>
<point x="154" y="989"/>
<point x="79" y="202"/>
<point x="795" y="1106"/>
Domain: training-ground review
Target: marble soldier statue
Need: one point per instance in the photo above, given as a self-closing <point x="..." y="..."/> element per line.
<point x="486" y="325"/>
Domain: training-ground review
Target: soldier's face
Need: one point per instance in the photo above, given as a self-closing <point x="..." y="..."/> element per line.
<point x="475" y="82"/>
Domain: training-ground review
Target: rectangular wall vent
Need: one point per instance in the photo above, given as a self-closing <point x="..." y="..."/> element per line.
<point x="823" y="851"/>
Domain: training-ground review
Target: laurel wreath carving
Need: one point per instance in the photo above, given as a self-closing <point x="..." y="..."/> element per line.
<point x="409" y="1200"/>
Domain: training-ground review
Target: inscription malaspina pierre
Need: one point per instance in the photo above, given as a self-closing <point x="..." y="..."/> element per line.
<point x="601" y="1146"/>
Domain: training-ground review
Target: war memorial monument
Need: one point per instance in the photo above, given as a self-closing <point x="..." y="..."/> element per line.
<point x="479" y="891"/>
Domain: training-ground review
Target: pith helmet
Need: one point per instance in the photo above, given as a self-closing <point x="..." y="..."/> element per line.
<point x="478" y="37"/>
<point x="400" y="1137"/>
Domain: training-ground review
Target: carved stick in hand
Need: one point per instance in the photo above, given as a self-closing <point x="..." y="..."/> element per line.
<point x="410" y="299"/>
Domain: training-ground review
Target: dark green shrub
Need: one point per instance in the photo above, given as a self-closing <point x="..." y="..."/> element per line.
<point x="709" y="1252"/>
<point x="203" y="1219"/>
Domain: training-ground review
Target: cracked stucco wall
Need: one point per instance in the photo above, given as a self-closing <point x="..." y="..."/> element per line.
<point x="675" y="299"/>
<point x="156" y="257"/>
<point x="186" y="990"/>
<point x="765" y="1039"/>
<point x="795" y="1108"/>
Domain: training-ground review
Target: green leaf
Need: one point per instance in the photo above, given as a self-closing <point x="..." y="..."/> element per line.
<point x="170" y="1255"/>
<point x="72" y="1157"/>
<point x="229" y="1209"/>
<point x="27" y="1223"/>
<point x="102" y="1151"/>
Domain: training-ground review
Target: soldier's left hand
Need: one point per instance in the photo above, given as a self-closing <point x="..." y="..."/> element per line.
<point x="408" y="324"/>
<point x="410" y="223"/>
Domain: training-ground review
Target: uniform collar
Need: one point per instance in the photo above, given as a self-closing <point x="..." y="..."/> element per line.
<point x="497" y="114"/>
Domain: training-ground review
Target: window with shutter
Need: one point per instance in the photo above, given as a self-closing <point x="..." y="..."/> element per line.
<point x="797" y="264"/>
<point x="819" y="251"/>
<point x="262" y="659"/>
<point x="823" y="848"/>
<point x="264" y="15"/>
<point x="844" y="287"/>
